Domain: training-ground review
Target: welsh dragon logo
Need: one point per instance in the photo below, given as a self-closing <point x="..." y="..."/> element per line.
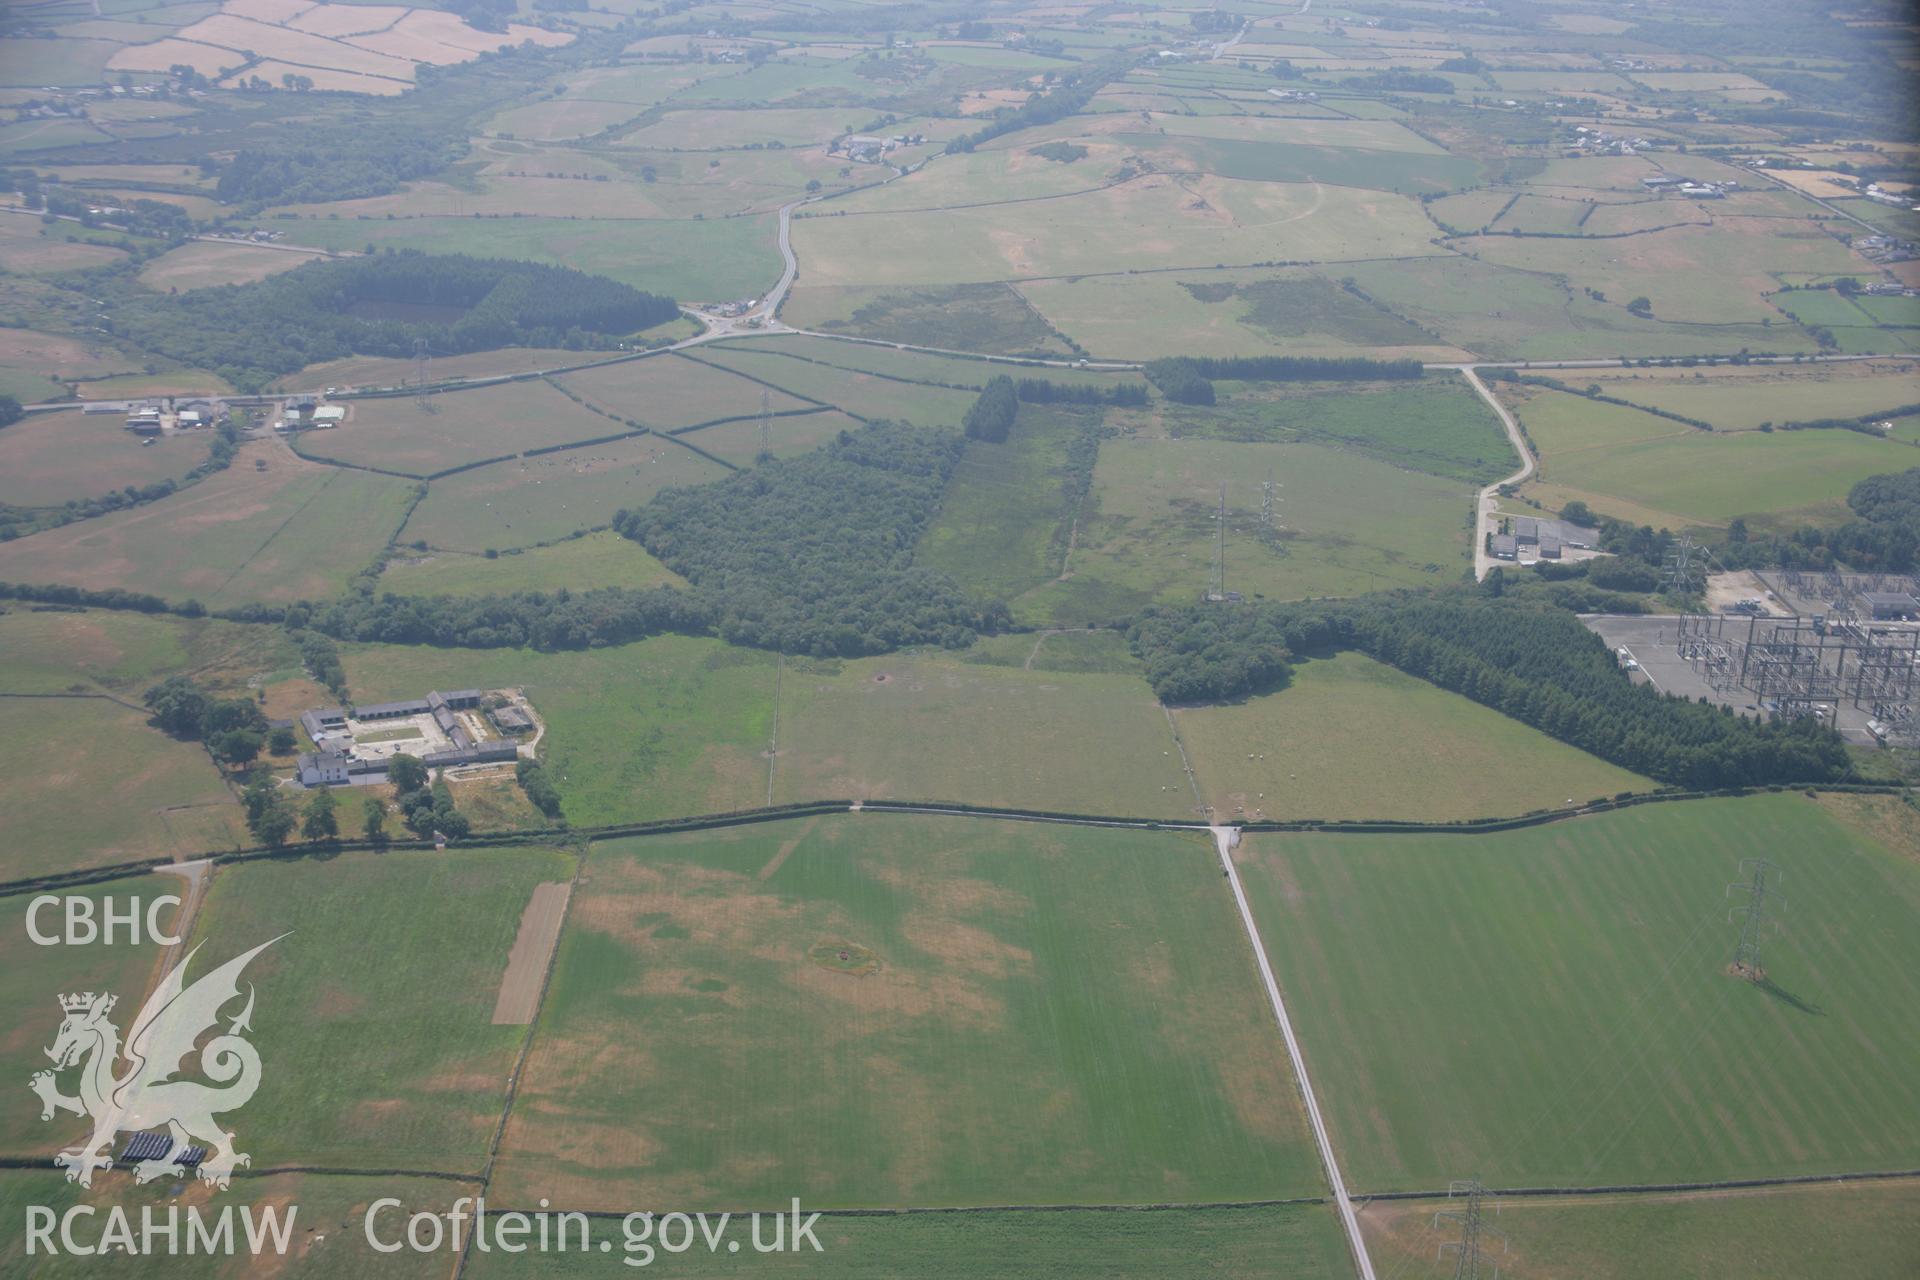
<point x="146" y="1096"/>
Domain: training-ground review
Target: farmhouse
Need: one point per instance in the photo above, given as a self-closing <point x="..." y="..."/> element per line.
<point x="355" y="746"/>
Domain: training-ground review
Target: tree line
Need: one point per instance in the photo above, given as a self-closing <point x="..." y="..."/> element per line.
<point x="1533" y="662"/>
<point x="1069" y="97"/>
<point x="1043" y="391"/>
<point x="382" y="305"/>
<point x="1884" y="536"/>
<point x="990" y="417"/>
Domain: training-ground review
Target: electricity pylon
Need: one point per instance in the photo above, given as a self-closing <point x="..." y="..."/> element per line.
<point x="1762" y="883"/>
<point x="1217" y="579"/>
<point x="1471" y="1218"/>
<point x="1681" y="576"/>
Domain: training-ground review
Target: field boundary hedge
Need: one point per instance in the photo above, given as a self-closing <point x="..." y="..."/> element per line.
<point x="958" y="809"/>
<point x="1656" y="1188"/>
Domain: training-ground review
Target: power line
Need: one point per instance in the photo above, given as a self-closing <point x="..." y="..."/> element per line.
<point x="1763" y="882"/>
<point x="422" y="361"/>
<point x="1217" y="579"/>
<point x="1471" y="1219"/>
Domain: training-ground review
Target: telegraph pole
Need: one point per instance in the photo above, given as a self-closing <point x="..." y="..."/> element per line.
<point x="1266" y="506"/>
<point x="1471" y="1219"/>
<point x="1762" y="883"/>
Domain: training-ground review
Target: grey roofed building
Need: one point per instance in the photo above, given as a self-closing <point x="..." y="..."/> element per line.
<point x="1549" y="546"/>
<point x="445" y="719"/>
<point x="472" y="755"/>
<point x="1577" y="535"/>
<point x="1526" y="529"/>
<point x="1504" y="547"/>
<point x="391" y="710"/>
<point x="1885" y="605"/>
<point x="512" y="719"/>
<point x="459" y="698"/>
<point x="321" y="719"/>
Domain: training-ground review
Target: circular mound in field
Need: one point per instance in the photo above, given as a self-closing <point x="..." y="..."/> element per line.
<point x="882" y="678"/>
<point x="849" y="958"/>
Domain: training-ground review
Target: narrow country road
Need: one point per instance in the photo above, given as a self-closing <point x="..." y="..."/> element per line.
<point x="1224" y="838"/>
<point x="1488" y="502"/>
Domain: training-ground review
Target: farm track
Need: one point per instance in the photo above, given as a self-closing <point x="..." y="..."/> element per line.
<point x="1224" y="838"/>
<point x="1487" y="504"/>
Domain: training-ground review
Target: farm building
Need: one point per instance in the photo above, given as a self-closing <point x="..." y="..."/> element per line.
<point x="323" y="720"/>
<point x="1526" y="531"/>
<point x="512" y="720"/>
<point x="1883" y="606"/>
<point x="482" y="754"/>
<point x="392" y="710"/>
<point x="1504" y="547"/>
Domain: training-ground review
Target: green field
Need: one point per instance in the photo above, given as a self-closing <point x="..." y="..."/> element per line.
<point x="864" y="394"/>
<point x="1151" y="222"/>
<point x="1703" y="275"/>
<point x="1461" y="990"/>
<point x="929" y="726"/>
<point x="914" y="366"/>
<point x="1403" y="749"/>
<point x="328" y="1241"/>
<point x="1743" y="398"/>
<point x="1867" y="1231"/>
<point x="1347" y="524"/>
<point x="1300" y="1242"/>
<point x="665" y="392"/>
<point x="125" y="653"/>
<point x="1396" y="170"/>
<point x="1652" y="470"/>
<point x="839" y="1008"/>
<point x="682" y="258"/>
<point x="666" y="727"/>
<point x="375" y="1024"/>
<point x="293" y="531"/>
<point x="1437" y="425"/>
<point x="739" y="442"/>
<point x="50" y="458"/>
<point x="1505" y="313"/>
<point x="990" y="318"/>
<point x="528" y="500"/>
<point x="400" y="433"/>
<point x="1226" y="313"/>
<point x="36" y="978"/>
<point x="30" y="249"/>
<point x="602" y="559"/>
<point x="88" y="783"/>
<point x="1005" y="522"/>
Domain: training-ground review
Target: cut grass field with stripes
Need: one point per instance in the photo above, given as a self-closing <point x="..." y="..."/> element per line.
<point x="1552" y="1007"/>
